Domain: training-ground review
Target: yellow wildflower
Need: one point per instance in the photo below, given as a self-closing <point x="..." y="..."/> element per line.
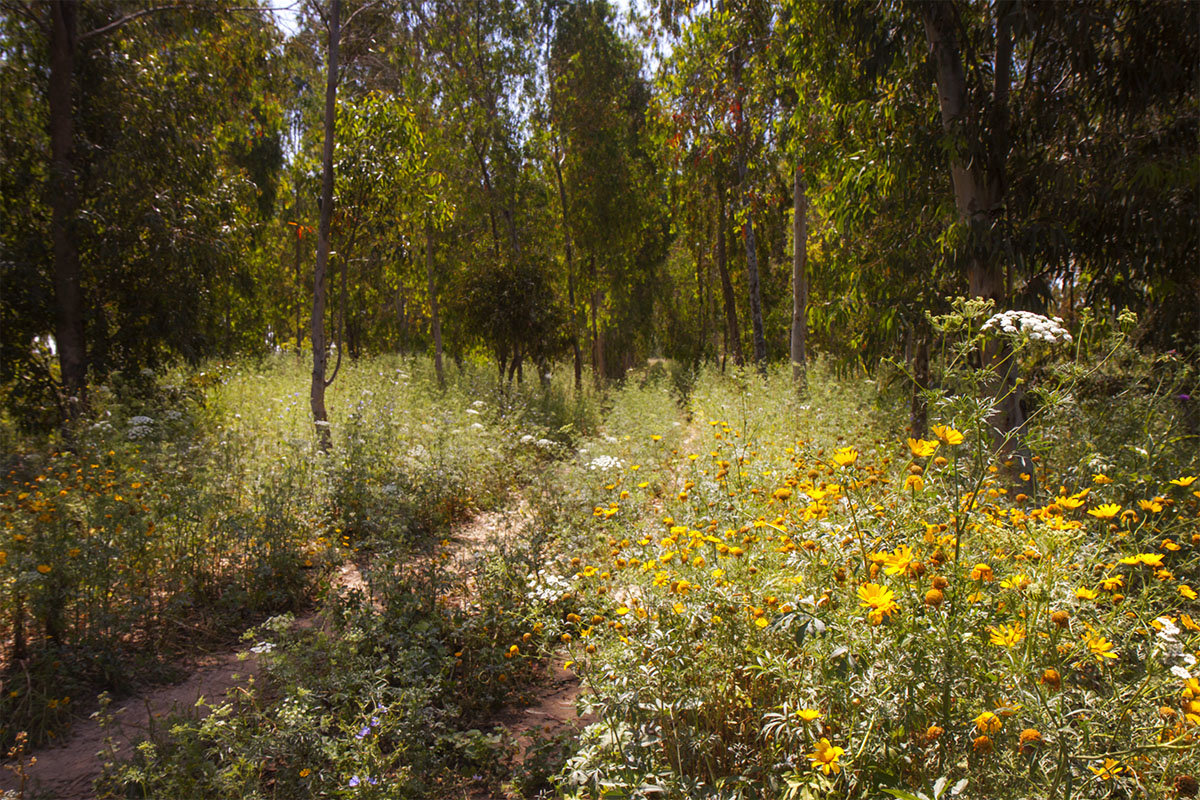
<point x="922" y="448"/>
<point x="987" y="722"/>
<point x="878" y="598"/>
<point x="982" y="572"/>
<point x="1100" y="647"/>
<point x="825" y="757"/>
<point x="947" y="435"/>
<point x="1109" y="770"/>
<point x="845" y="456"/>
<point x="1007" y="635"/>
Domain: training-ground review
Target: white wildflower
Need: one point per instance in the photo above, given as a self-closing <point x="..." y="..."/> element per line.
<point x="605" y="463"/>
<point x="1029" y="325"/>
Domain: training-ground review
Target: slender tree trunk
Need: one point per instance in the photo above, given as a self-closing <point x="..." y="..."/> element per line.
<point x="317" y="388"/>
<point x="597" y="342"/>
<point x="702" y="340"/>
<point x="436" y="322"/>
<point x="977" y="178"/>
<point x="575" y="350"/>
<point x="401" y="321"/>
<point x="299" y="293"/>
<point x="69" y="336"/>
<point x="756" y="320"/>
<point x="733" y="336"/>
<point x="799" y="280"/>
<point x="487" y="185"/>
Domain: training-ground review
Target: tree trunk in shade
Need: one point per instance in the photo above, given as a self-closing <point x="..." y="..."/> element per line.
<point x="319" y="345"/>
<point x="799" y="281"/>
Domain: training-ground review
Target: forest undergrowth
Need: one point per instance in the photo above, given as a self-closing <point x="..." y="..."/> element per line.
<point x="763" y="592"/>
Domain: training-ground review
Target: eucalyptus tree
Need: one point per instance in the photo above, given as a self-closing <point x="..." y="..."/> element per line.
<point x="157" y="134"/>
<point x="597" y="109"/>
<point x="716" y="88"/>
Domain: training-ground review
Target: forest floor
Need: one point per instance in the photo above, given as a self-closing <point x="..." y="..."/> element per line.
<point x="67" y="771"/>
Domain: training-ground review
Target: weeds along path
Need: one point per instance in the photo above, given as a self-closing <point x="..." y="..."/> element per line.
<point x="553" y="712"/>
<point x="68" y="770"/>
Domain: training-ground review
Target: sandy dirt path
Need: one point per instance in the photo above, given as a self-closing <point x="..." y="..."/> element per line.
<point x="67" y="771"/>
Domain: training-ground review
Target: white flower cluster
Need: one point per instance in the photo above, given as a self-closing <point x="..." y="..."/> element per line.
<point x="139" y="427"/>
<point x="1026" y="323"/>
<point x="605" y="463"/>
<point x="547" y="587"/>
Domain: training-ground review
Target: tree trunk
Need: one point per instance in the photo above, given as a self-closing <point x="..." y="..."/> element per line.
<point x="799" y="280"/>
<point x="978" y="178"/>
<point x="433" y="305"/>
<point x="487" y="186"/>
<point x="702" y="339"/>
<point x="756" y="320"/>
<point x="317" y="388"/>
<point x="299" y="290"/>
<point x="401" y="320"/>
<point x="733" y="337"/>
<point x="575" y="350"/>
<point x="68" y="293"/>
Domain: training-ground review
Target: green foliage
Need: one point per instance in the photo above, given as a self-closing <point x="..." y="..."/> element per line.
<point x="206" y="501"/>
<point x="792" y="574"/>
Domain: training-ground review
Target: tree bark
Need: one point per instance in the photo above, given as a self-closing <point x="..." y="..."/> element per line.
<point x="68" y="293"/>
<point x="919" y="363"/>
<point x="799" y="280"/>
<point x="977" y="179"/>
<point x="575" y="350"/>
<point x="702" y="317"/>
<point x="756" y="320"/>
<point x="317" y="388"/>
<point x="733" y="337"/>
<point x="299" y="290"/>
<point x="977" y="172"/>
<point x="487" y="186"/>
<point x="435" y="320"/>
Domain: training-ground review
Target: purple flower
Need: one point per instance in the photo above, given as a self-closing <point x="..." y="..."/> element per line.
<point x="354" y="781"/>
<point x="1183" y="397"/>
<point x="373" y="781"/>
<point x="374" y="721"/>
<point x="361" y="734"/>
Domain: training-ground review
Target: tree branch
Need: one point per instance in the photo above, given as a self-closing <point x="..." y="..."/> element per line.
<point x="24" y="10"/>
<point x="117" y="23"/>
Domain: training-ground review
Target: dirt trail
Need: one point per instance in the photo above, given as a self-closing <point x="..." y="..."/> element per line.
<point x="556" y="690"/>
<point x="68" y="770"/>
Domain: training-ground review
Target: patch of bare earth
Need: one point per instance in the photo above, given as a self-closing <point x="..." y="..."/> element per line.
<point x="68" y="771"/>
<point x="555" y="692"/>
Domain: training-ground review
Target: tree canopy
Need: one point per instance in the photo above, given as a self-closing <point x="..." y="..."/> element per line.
<point x="577" y="179"/>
